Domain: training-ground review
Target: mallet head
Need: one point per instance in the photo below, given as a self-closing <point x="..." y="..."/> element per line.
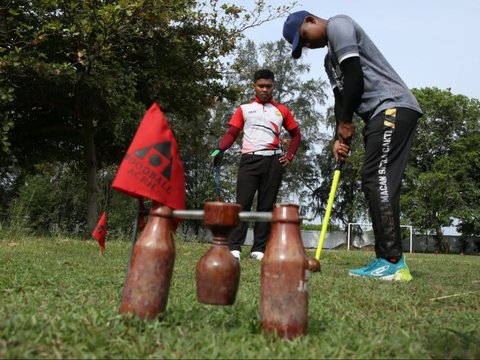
<point x="313" y="264"/>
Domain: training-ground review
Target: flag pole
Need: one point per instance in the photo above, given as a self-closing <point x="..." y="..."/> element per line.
<point x="140" y="212"/>
<point x="217" y="182"/>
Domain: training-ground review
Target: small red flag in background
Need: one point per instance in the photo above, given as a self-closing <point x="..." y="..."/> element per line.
<point x="152" y="167"/>
<point x="100" y="231"/>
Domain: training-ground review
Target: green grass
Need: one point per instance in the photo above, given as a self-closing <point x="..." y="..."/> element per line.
<point x="60" y="299"/>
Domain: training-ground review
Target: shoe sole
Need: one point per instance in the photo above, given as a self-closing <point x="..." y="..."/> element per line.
<point x="401" y="275"/>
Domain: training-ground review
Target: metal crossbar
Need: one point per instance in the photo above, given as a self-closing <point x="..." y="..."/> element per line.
<point x="262" y="216"/>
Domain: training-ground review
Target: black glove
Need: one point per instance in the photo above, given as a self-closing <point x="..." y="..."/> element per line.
<point x="217" y="157"/>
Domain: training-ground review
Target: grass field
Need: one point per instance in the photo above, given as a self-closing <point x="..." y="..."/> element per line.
<point x="59" y="299"/>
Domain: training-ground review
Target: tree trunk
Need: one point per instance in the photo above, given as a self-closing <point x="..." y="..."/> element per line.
<point x="442" y="242"/>
<point x="92" y="188"/>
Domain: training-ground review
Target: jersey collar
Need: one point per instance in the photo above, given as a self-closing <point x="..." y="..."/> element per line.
<point x="263" y="103"/>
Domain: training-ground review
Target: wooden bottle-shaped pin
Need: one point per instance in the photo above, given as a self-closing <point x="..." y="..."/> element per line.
<point x="218" y="272"/>
<point x="284" y="276"/>
<point x="147" y="285"/>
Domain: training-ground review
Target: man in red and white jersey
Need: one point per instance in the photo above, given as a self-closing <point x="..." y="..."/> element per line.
<point x="262" y="163"/>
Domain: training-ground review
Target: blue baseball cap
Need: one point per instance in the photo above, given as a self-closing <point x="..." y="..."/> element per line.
<point x="291" y="31"/>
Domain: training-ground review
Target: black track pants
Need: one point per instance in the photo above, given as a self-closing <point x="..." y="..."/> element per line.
<point x="262" y="174"/>
<point x="388" y="139"/>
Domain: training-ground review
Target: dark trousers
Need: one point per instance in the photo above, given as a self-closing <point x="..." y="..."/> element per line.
<point x="261" y="174"/>
<point x="388" y="139"/>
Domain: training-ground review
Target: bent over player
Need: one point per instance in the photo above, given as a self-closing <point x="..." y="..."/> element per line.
<point x="364" y="82"/>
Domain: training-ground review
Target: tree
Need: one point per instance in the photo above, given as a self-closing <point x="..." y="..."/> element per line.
<point x="308" y="180"/>
<point x="76" y="76"/>
<point x="303" y="96"/>
<point x="465" y="167"/>
<point x="350" y="205"/>
<point x="439" y="182"/>
<point x="48" y="198"/>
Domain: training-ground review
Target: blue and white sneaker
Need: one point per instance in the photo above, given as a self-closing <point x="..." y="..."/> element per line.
<point x="384" y="270"/>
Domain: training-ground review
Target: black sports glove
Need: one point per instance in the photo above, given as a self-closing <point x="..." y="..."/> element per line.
<point x="217" y="157"/>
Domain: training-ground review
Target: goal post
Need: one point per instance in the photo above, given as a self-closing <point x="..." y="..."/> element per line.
<point x="349" y="233"/>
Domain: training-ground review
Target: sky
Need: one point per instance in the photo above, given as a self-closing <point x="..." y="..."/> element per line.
<point x="430" y="43"/>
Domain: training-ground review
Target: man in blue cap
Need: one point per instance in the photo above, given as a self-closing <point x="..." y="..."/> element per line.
<point x="364" y="83"/>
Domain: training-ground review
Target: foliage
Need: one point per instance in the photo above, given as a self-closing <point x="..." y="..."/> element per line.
<point x="464" y="164"/>
<point x="318" y="227"/>
<point x="6" y="122"/>
<point x="76" y="77"/>
<point x="350" y="205"/>
<point x="49" y="201"/>
<point x="49" y="198"/>
<point x="60" y="299"/>
<point x="82" y="73"/>
<point x="301" y="95"/>
<point x="441" y="182"/>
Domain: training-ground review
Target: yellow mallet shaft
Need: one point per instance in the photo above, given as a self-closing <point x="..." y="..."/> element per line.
<point x="331" y="198"/>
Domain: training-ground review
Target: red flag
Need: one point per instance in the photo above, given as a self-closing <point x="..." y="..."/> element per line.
<point x="152" y="167"/>
<point x="100" y="231"/>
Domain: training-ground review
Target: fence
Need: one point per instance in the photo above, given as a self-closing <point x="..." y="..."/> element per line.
<point x="335" y="239"/>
